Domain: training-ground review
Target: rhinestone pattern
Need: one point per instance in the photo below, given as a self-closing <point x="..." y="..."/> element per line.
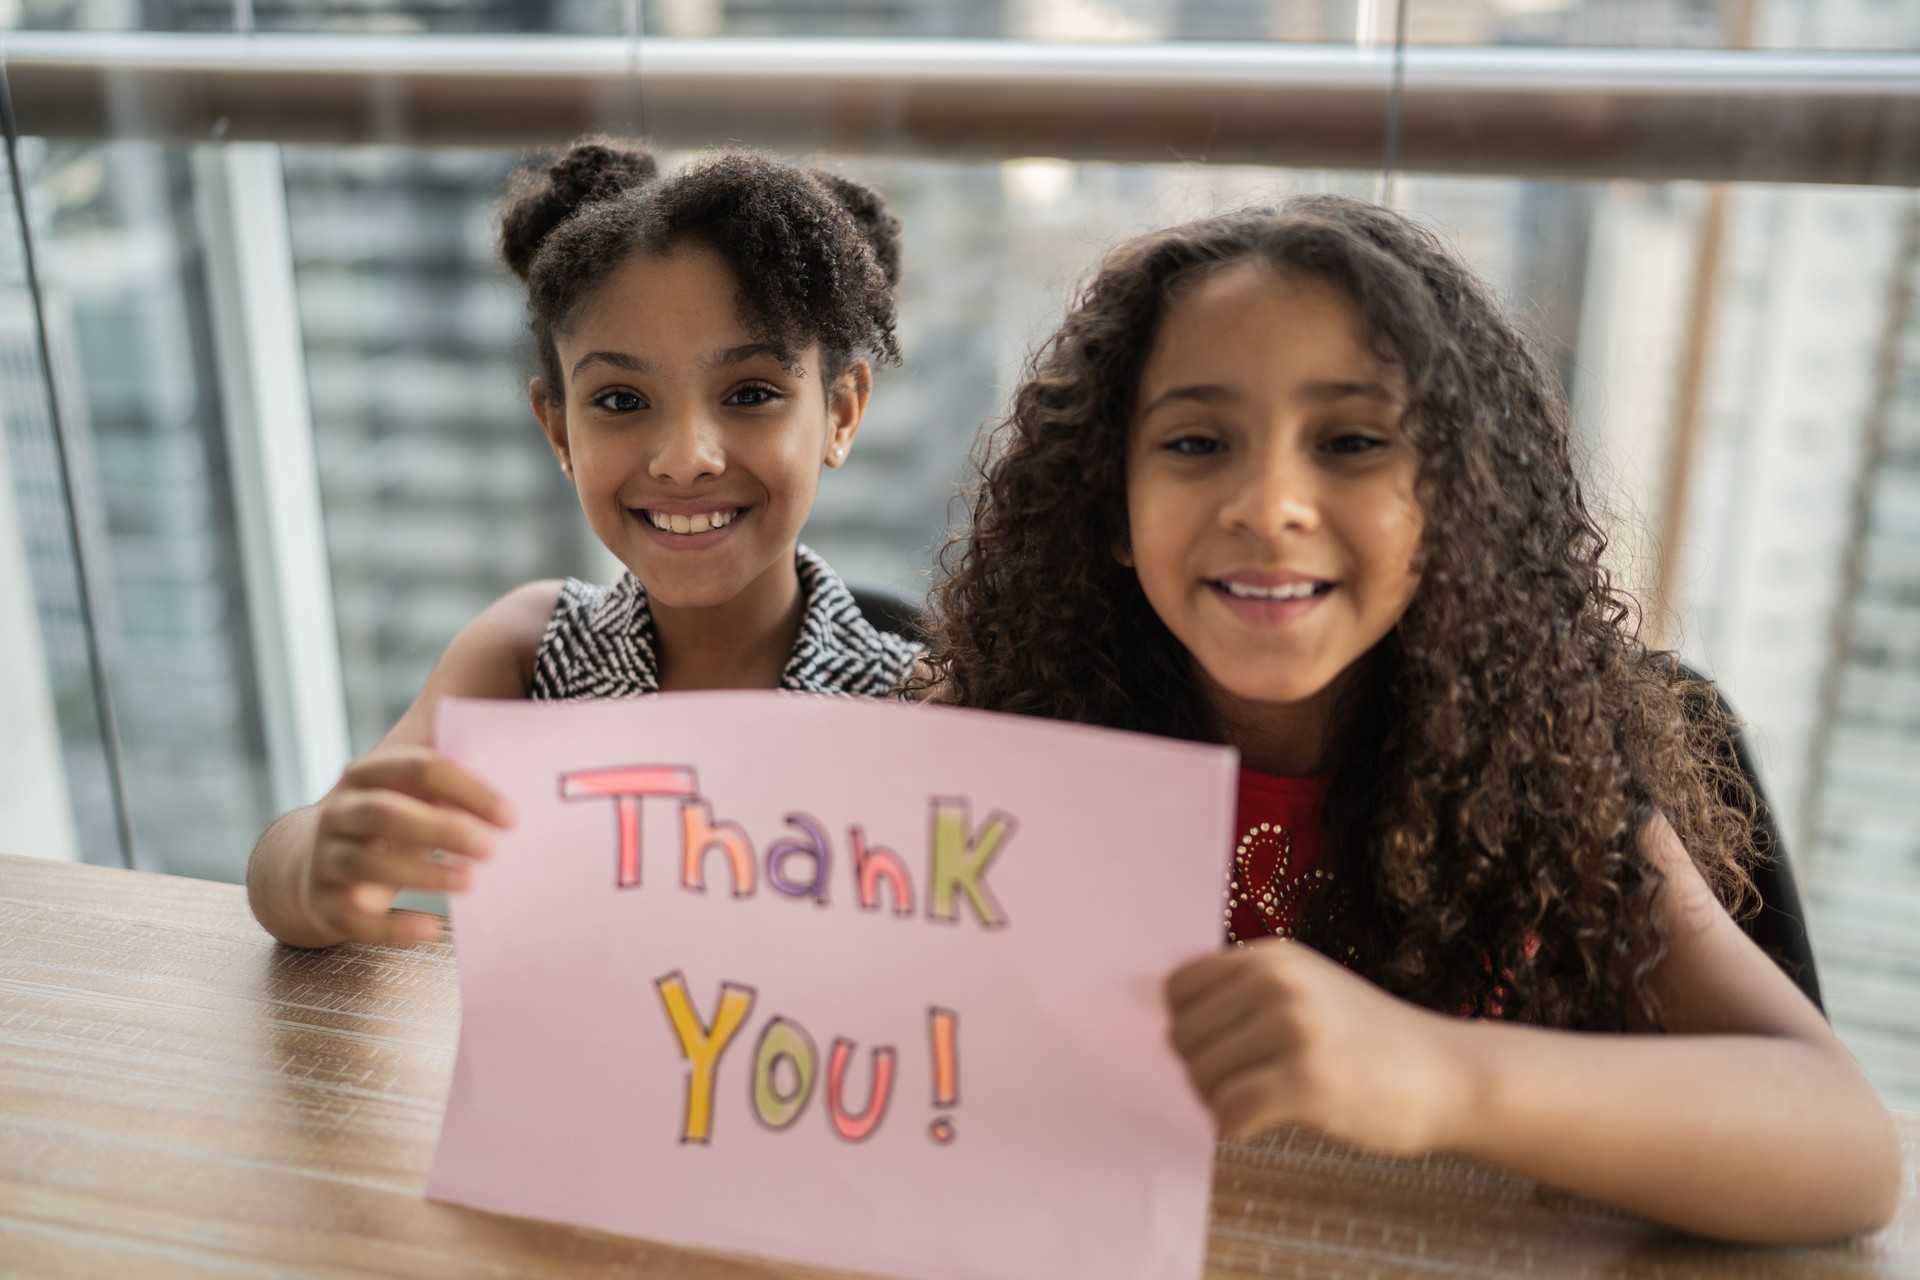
<point x="1273" y="899"/>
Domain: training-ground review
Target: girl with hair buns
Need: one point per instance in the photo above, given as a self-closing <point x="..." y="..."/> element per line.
<point x="1287" y="479"/>
<point x="706" y="343"/>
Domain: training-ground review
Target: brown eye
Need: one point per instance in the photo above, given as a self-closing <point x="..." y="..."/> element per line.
<point x="1352" y="443"/>
<point x="1195" y="446"/>
<point x="620" y="402"/>
<point x="748" y="397"/>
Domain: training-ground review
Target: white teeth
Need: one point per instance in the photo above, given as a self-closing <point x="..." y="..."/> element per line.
<point x="691" y="524"/>
<point x="1288" y="591"/>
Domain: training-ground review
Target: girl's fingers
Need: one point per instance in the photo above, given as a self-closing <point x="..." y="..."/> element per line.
<point x="1197" y="978"/>
<point x="366" y="900"/>
<point x="369" y="868"/>
<point x="382" y="927"/>
<point x="428" y="775"/>
<point x="1256" y="1045"/>
<point x="1224" y="1007"/>
<point x="354" y="915"/>
<point x="401" y="819"/>
<point x="408" y="928"/>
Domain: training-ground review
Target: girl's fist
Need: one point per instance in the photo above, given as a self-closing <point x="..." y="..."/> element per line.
<point x="1276" y="1033"/>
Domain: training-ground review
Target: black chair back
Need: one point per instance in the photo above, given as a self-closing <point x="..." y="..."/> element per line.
<point x="888" y="610"/>
<point x="1779" y="927"/>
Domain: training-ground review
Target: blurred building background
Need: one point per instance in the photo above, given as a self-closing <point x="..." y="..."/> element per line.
<point x="1744" y="362"/>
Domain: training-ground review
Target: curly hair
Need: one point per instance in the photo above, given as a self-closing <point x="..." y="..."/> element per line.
<point x="816" y="254"/>
<point x="1501" y="749"/>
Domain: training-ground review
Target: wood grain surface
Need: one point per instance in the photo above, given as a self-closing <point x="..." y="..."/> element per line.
<point x="180" y="1096"/>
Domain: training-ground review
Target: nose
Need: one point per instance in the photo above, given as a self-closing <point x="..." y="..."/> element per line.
<point x="687" y="448"/>
<point x="1274" y="494"/>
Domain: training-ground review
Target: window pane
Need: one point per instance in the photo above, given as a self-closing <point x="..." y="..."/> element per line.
<point x="126" y="308"/>
<point x="1096" y="20"/>
<point x="1663" y="24"/>
<point x="56" y="798"/>
<point x="438" y="489"/>
<point x="381" y="17"/>
<point x="1742" y="362"/>
<point x="1745" y="368"/>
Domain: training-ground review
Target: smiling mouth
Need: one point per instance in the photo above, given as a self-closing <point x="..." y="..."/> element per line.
<point x="1285" y="591"/>
<point x="699" y="522"/>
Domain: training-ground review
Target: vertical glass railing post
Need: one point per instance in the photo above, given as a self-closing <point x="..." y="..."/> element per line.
<point x="35" y="817"/>
<point x="240" y="201"/>
<point x="82" y="571"/>
<point x="1396" y="104"/>
<point x="632" y="20"/>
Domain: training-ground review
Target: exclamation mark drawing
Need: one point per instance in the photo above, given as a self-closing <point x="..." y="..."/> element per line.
<point x="946" y="1069"/>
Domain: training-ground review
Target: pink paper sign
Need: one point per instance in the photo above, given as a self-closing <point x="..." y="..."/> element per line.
<point x="860" y="984"/>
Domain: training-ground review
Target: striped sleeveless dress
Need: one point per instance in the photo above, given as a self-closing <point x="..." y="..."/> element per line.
<point x="599" y="643"/>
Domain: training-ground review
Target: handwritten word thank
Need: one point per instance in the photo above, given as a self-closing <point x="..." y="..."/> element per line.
<point x="799" y="864"/>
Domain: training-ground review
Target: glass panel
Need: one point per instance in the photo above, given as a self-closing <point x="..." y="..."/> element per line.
<point x="56" y="792"/>
<point x="1792" y="555"/>
<point x="73" y="15"/>
<point x="836" y="17"/>
<point x="429" y="17"/>
<point x="1864" y="803"/>
<point x="1663" y="24"/>
<point x="1745" y="369"/>
<point x="1073" y="20"/>
<point x="439" y="492"/>
<point x="1660" y="24"/>
<point x="381" y="17"/>
<point x="126" y="306"/>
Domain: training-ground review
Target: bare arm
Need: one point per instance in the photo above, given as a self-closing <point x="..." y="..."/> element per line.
<point x="1747" y="1121"/>
<point x="329" y="872"/>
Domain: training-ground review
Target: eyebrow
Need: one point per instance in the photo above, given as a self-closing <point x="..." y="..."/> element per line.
<point x="1206" y="393"/>
<point x="1327" y="392"/>
<point x="743" y="353"/>
<point x="716" y="360"/>
<point x="1313" y="392"/>
<point x="618" y="359"/>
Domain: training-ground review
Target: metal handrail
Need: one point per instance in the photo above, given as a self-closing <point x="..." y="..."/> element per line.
<point x="1738" y="116"/>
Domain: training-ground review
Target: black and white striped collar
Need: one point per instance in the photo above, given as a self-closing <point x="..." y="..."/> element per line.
<point x="837" y="650"/>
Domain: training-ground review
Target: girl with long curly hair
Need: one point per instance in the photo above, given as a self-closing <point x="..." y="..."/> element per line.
<point x="705" y="343"/>
<point x="1286" y="479"/>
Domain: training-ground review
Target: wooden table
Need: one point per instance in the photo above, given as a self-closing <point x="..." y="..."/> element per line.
<point x="181" y="1096"/>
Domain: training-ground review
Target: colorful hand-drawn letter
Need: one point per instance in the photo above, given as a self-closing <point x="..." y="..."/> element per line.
<point x="701" y="1045"/>
<point x="628" y="785"/>
<point x="855" y="1128"/>
<point x="960" y="861"/>
<point x="875" y="865"/>
<point x="783" y="1040"/>
<point x="699" y="833"/>
<point x="812" y="845"/>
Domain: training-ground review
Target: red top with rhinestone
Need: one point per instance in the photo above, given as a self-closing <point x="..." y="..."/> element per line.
<point x="1279" y="857"/>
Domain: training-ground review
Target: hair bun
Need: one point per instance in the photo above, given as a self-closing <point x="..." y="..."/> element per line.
<point x="871" y="214"/>
<point x="592" y="169"/>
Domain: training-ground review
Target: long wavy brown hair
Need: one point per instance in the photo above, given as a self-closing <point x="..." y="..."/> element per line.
<point x="1501" y="749"/>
